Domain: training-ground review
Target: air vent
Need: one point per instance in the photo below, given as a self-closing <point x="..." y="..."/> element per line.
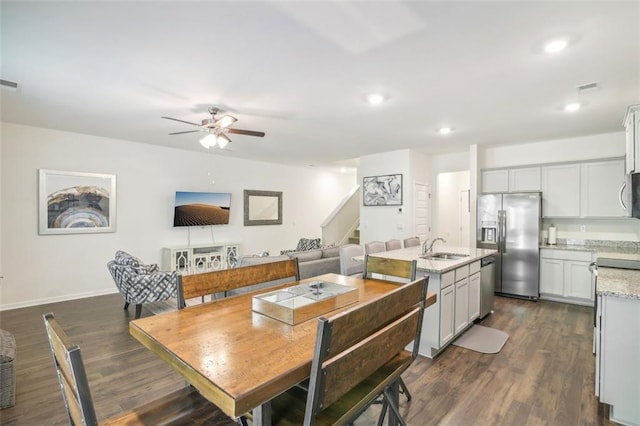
<point x="7" y="83"/>
<point x="589" y="87"/>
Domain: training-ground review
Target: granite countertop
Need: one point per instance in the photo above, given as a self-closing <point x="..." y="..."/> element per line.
<point x="437" y="266"/>
<point x="616" y="250"/>
<point x="617" y="282"/>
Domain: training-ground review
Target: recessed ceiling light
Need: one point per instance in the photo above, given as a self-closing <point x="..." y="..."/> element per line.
<point x="574" y="106"/>
<point x="445" y="130"/>
<point x="555" y="46"/>
<point x="375" y="98"/>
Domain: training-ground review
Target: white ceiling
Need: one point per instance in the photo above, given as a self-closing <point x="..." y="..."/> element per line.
<point x="300" y="71"/>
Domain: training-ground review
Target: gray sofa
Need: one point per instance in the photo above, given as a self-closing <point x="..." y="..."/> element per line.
<point x="317" y="261"/>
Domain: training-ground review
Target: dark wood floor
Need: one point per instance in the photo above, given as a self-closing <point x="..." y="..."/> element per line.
<point x="543" y="375"/>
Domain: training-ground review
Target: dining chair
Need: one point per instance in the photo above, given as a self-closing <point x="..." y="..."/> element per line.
<point x="184" y="406"/>
<point x="236" y="280"/>
<point x="359" y="356"/>
<point x="374" y="247"/>
<point x="348" y="266"/>
<point x="393" y="245"/>
<point x="395" y="270"/>
<point x="411" y="242"/>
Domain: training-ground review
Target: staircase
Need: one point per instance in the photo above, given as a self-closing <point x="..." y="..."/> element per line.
<point x="355" y="237"/>
<point x="342" y="224"/>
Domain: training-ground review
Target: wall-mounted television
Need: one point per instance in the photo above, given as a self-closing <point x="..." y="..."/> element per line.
<point x="201" y="208"/>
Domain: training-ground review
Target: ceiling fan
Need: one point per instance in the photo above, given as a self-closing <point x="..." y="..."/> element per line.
<point x="216" y="129"/>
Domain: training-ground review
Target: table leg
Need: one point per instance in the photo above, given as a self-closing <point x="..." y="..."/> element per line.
<point x="262" y="415"/>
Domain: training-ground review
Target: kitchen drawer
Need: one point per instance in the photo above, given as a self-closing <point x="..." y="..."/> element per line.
<point x="462" y="272"/>
<point x="584" y="256"/>
<point x="474" y="267"/>
<point x="447" y="279"/>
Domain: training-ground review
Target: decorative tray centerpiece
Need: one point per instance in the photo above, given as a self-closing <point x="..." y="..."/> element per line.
<point x="304" y="301"/>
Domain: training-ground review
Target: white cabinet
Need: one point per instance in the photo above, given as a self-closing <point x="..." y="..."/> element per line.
<point x="200" y="258"/>
<point x="511" y="180"/>
<point x="561" y="190"/>
<point x="457" y="305"/>
<point x="525" y="179"/>
<point x="447" y="309"/>
<point x="565" y="276"/>
<point x="617" y="355"/>
<point x="495" y="180"/>
<point x="551" y="276"/>
<point x="632" y="139"/>
<point x="600" y="184"/>
<point x="462" y="304"/>
<point x="474" y="296"/>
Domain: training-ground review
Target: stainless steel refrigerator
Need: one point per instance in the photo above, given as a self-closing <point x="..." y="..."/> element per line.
<point x="510" y="223"/>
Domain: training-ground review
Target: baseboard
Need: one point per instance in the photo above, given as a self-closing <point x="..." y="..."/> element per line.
<point x="64" y="298"/>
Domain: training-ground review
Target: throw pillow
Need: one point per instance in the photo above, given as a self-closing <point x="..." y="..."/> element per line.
<point x="306" y="244"/>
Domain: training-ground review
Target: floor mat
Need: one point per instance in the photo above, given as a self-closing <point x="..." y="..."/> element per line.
<point x="482" y="339"/>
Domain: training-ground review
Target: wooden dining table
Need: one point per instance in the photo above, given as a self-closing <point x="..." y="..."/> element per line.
<point x="239" y="359"/>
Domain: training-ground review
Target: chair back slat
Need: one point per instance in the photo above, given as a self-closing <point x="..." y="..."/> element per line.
<point x="354" y="325"/>
<point x="71" y="374"/>
<point x="203" y="284"/>
<point x="352" y="345"/>
<point x="361" y="361"/>
<point x="390" y="267"/>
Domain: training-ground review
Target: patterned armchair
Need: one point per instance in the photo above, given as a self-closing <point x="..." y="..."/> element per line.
<point x="139" y="283"/>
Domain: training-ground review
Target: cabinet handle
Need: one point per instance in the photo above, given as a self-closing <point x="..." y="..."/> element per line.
<point x="620" y="198"/>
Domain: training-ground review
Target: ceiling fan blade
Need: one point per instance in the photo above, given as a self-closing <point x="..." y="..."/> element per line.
<point x="188" y="131"/>
<point x="181" y="121"/>
<point x="246" y="132"/>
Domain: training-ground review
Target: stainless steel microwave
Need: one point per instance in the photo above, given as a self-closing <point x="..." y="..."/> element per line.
<point x="630" y="195"/>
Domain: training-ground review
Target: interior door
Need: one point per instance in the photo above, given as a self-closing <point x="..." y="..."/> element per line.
<point x="422" y="211"/>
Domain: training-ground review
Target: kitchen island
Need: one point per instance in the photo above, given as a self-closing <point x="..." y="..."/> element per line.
<point x="617" y="342"/>
<point x="456" y="282"/>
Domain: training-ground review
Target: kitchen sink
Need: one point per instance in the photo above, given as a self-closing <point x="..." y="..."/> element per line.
<point x="444" y="256"/>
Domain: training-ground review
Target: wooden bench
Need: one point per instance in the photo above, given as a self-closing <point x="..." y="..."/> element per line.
<point x="225" y="280"/>
<point x="359" y="355"/>
<point x="184" y="406"/>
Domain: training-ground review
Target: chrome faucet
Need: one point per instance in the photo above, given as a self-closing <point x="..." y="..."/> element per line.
<point x="427" y="247"/>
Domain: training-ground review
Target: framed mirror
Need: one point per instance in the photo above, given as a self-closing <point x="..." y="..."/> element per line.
<point x="262" y="207"/>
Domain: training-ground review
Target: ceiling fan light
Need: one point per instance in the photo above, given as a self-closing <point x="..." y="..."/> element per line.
<point x="222" y="140"/>
<point x="208" y="141"/>
<point x="226" y="121"/>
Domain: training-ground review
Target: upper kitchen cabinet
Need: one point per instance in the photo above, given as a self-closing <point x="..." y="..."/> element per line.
<point x="600" y="184"/>
<point x="495" y="180"/>
<point x="511" y="180"/>
<point x="632" y="134"/>
<point x="527" y="179"/>
<point x="589" y="189"/>
<point x="561" y="190"/>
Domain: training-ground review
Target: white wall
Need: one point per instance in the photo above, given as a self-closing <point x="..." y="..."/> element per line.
<point x="605" y="145"/>
<point x="387" y="222"/>
<point x="42" y="268"/>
